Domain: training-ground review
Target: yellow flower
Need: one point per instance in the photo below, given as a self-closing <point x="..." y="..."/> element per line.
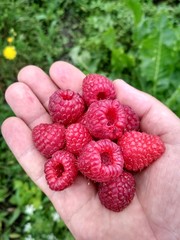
<point x="10" y="39"/>
<point x="9" y="52"/>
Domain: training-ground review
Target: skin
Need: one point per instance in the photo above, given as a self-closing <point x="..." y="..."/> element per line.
<point x="154" y="213"/>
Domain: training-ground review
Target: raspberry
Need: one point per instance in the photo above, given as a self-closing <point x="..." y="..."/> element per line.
<point x="48" y="138"/>
<point x="66" y="106"/>
<point x="60" y="170"/>
<point x="82" y="119"/>
<point x="77" y="136"/>
<point x="106" y="119"/>
<point x="100" y="161"/>
<point x="118" y="193"/>
<point x="98" y="136"/>
<point x="140" y="149"/>
<point x="132" y="119"/>
<point x="96" y="87"/>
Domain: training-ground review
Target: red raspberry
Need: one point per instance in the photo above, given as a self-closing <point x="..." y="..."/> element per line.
<point x="60" y="170"/>
<point x="132" y="119"/>
<point x="66" y="106"/>
<point x="101" y="161"/>
<point x="48" y="138"/>
<point x="96" y="87"/>
<point x="118" y="193"/>
<point x="106" y="119"/>
<point x="140" y="149"/>
<point x="82" y="119"/>
<point x="77" y="136"/>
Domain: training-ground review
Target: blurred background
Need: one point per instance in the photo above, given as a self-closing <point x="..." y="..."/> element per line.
<point x="138" y="41"/>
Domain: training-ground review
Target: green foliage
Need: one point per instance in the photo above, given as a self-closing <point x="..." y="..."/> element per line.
<point x="157" y="42"/>
<point x="137" y="41"/>
<point x="35" y="27"/>
<point x="25" y="211"/>
<point x="36" y="32"/>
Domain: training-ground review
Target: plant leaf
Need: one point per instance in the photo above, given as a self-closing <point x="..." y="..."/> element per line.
<point x="136" y="8"/>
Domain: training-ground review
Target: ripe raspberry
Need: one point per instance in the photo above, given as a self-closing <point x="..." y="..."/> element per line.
<point x="77" y="136"/>
<point x="48" y="138"/>
<point x="82" y="119"/>
<point x="101" y="161"/>
<point x="60" y="170"/>
<point x="118" y="193"/>
<point x="132" y="119"/>
<point x="97" y="87"/>
<point x="140" y="149"/>
<point x="106" y="119"/>
<point x="66" y="106"/>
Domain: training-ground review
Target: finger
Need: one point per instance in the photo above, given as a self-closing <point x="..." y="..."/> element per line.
<point x="156" y="118"/>
<point x="26" y="105"/>
<point x="19" y="139"/>
<point x="66" y="76"/>
<point x="39" y="82"/>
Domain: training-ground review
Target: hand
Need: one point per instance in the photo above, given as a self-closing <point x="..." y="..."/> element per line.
<point x="154" y="213"/>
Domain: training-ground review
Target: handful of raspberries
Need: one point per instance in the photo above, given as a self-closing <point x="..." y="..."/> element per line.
<point x="97" y="136"/>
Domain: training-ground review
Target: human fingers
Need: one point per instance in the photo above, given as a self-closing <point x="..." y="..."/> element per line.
<point x="26" y="105"/>
<point x="155" y="117"/>
<point x="39" y="82"/>
<point x="66" y="76"/>
<point x="62" y="75"/>
<point x="19" y="139"/>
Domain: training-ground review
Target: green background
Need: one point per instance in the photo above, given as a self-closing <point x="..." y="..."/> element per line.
<point x="138" y="41"/>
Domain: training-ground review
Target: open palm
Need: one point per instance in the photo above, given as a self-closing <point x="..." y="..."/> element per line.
<point x="155" y="210"/>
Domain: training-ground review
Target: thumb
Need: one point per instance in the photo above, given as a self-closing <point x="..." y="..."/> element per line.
<point x="155" y="117"/>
